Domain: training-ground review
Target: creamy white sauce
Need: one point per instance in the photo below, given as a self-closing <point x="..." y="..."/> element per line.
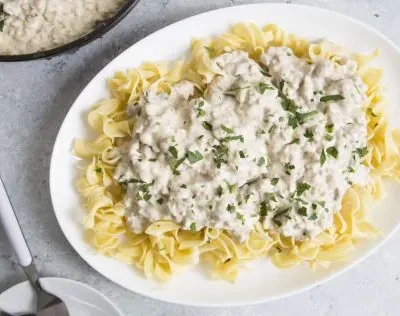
<point x="252" y="148"/>
<point x="36" y="25"/>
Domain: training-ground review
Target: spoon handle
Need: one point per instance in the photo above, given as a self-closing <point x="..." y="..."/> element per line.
<point x="12" y="229"/>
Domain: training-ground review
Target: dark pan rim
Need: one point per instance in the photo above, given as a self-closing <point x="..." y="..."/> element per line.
<point x="100" y="29"/>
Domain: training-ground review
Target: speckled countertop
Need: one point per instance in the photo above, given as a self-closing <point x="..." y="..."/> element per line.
<point x="34" y="98"/>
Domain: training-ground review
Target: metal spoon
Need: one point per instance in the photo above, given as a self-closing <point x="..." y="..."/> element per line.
<point x="46" y="302"/>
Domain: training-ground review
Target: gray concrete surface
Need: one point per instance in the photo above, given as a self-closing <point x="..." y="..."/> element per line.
<point x="34" y="98"/>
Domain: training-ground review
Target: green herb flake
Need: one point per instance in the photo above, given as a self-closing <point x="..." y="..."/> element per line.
<point x="302" y="211"/>
<point x="194" y="157"/>
<point x="329" y="128"/>
<point x="351" y="170"/>
<point x="160" y="201"/>
<point x="231" y="208"/>
<point x="226" y="129"/>
<point x="231" y="187"/>
<point x="232" y="138"/>
<point x="313" y="217"/>
<point x="184" y="186"/>
<point x="309" y="134"/>
<point x="322" y="158"/>
<point x="328" y="137"/>
<point x="274" y="181"/>
<point x="333" y="152"/>
<point x="99" y="170"/>
<point x="172" y="150"/>
<point x="219" y="191"/>
<point x="314" y="206"/>
<point x="193" y="227"/>
<point x="240" y="217"/>
<point x="302" y="187"/>
<point x="242" y="154"/>
<point x="261" y="162"/>
<point x="271" y="197"/>
<point x="207" y="126"/>
<point x="277" y="222"/>
<point x="289" y="167"/>
<point x="362" y="151"/>
<point x="263" y="86"/>
<point x="263" y="209"/>
<point x="334" y="97"/>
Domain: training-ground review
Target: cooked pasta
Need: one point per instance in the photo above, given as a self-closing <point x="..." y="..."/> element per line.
<point x="165" y="248"/>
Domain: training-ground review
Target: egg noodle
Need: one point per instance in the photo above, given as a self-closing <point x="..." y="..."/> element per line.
<point x="164" y="249"/>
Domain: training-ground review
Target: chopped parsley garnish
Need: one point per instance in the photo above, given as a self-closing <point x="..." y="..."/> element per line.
<point x="2" y="25"/>
<point x="242" y="154"/>
<point x="289" y="167"/>
<point x="172" y="150"/>
<point x="371" y="112"/>
<point x="221" y="154"/>
<point x="263" y="86"/>
<point x="334" y="97"/>
<point x="160" y="201"/>
<point x="207" y="126"/>
<point x="173" y="139"/>
<point x="277" y="222"/>
<point x="226" y="129"/>
<point x="200" y="111"/>
<point x="153" y="159"/>
<point x="299" y="118"/>
<point x="271" y="197"/>
<point x="219" y="191"/>
<point x="292" y="122"/>
<point x="231" y="208"/>
<point x="322" y="158"/>
<point x="193" y="227"/>
<point x="302" y="211"/>
<point x="302" y="187"/>
<point x="362" y="151"/>
<point x="333" y="152"/>
<point x="314" y="206"/>
<point x="183" y="186"/>
<point x="313" y="217"/>
<point x="294" y="141"/>
<point x="231" y="138"/>
<point x="261" y="162"/>
<point x="351" y="170"/>
<point x="329" y="128"/>
<point x="240" y="217"/>
<point x="283" y="212"/>
<point x="289" y="106"/>
<point x="263" y="209"/>
<point x="175" y="163"/>
<point x="98" y="170"/>
<point x="309" y="134"/>
<point x="329" y="137"/>
<point x="231" y="187"/>
<point x="194" y="157"/>
<point x="274" y="181"/>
